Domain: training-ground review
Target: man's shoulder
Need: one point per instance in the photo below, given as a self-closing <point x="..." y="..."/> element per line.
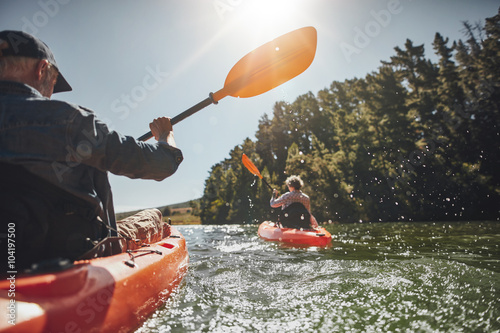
<point x="64" y="111"/>
<point x="71" y="106"/>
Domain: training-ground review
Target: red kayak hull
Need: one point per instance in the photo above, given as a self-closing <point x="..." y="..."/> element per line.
<point x="98" y="295"/>
<point x="270" y="232"/>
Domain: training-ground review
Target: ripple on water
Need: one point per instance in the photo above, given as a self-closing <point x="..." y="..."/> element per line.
<point x="239" y="283"/>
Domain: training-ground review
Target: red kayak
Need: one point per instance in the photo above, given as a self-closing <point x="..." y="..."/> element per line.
<point x="317" y="237"/>
<point x="110" y="294"/>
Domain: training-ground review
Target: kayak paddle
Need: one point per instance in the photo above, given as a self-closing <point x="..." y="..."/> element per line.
<point x="253" y="169"/>
<point x="263" y="69"/>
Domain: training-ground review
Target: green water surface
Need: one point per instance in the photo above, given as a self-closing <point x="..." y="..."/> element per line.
<point x="380" y="277"/>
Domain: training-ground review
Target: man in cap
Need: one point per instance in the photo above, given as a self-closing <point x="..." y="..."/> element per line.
<point x="54" y="158"/>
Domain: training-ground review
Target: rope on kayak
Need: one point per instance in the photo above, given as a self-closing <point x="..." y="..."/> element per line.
<point x="113" y="229"/>
<point x="136" y="241"/>
<point x="131" y="261"/>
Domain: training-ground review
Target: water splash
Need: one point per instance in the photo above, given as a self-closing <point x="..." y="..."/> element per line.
<point x="432" y="277"/>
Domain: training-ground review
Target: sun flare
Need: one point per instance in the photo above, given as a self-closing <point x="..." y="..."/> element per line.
<point x="270" y="16"/>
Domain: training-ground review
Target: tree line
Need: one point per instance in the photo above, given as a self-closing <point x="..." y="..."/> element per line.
<point x="415" y="140"/>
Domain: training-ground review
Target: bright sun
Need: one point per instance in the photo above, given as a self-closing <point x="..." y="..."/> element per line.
<point x="269" y="16"/>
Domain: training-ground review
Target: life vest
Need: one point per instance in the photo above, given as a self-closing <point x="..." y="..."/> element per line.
<point x="295" y="216"/>
<point x="46" y="221"/>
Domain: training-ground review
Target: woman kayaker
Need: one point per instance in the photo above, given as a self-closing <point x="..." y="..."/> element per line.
<point x="294" y="195"/>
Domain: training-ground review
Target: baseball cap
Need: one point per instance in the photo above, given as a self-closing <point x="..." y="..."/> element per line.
<point x="21" y="44"/>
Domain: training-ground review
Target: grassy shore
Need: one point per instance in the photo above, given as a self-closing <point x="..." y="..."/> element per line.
<point x="180" y="214"/>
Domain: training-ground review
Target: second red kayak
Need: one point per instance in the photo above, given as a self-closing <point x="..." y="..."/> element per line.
<point x="318" y="237"/>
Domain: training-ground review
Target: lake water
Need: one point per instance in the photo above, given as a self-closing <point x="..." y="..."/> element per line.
<point x="381" y="277"/>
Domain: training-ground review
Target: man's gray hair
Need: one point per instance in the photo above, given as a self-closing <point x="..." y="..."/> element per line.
<point x="12" y="69"/>
<point x="12" y="65"/>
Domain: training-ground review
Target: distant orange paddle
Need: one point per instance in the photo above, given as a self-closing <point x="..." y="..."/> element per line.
<point x="253" y="169"/>
<point x="263" y="69"/>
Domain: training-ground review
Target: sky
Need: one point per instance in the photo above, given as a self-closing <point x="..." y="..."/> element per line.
<point x="132" y="61"/>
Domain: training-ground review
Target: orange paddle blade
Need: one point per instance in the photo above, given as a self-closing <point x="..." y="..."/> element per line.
<point x="250" y="166"/>
<point x="271" y="64"/>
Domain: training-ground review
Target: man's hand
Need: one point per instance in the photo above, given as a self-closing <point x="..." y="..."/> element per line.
<point x="162" y="130"/>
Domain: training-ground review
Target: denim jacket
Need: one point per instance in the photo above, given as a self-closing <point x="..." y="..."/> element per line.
<point x="68" y="146"/>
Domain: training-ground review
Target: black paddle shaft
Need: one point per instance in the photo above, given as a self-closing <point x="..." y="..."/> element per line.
<point x="206" y="102"/>
<point x="267" y="183"/>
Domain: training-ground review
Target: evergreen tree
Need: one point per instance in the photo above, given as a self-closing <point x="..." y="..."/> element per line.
<point x="412" y="141"/>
